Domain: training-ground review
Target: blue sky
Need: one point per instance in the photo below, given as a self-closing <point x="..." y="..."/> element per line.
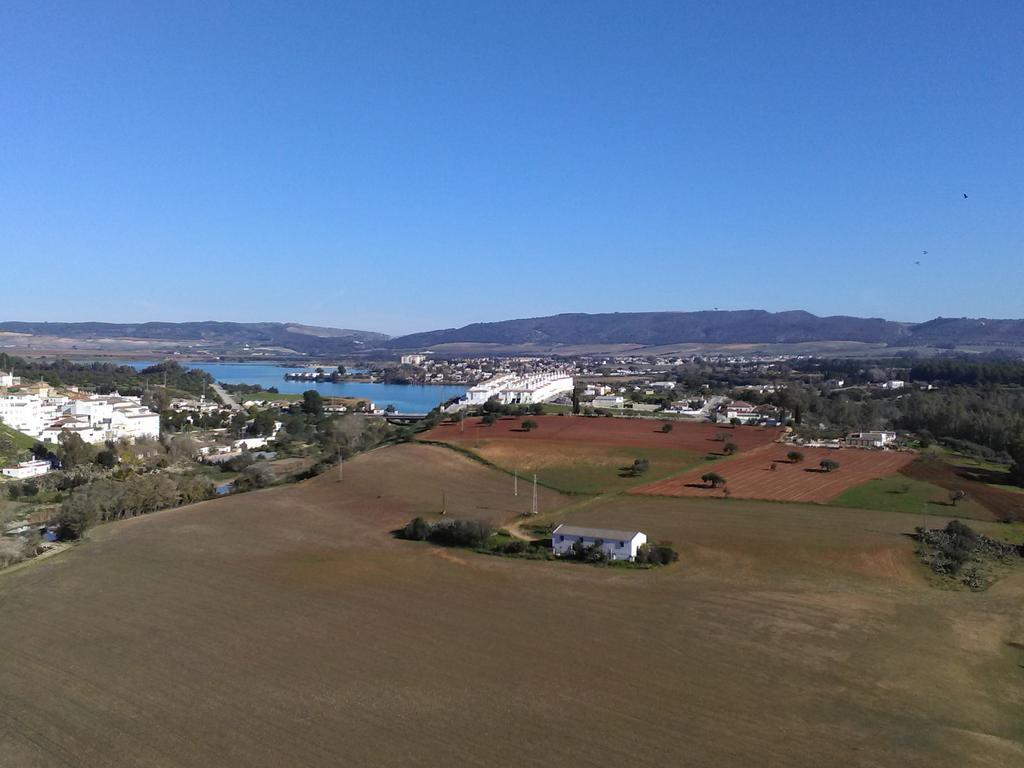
<point x="406" y="166"/>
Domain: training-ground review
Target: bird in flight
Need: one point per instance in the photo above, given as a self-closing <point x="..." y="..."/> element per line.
<point x="918" y="263"/>
<point x="965" y="195"/>
<point x="924" y="252"/>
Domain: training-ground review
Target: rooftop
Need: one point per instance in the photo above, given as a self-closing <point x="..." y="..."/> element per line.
<point x="594" y="533"/>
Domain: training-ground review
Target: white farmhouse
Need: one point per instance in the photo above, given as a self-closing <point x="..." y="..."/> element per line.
<point x="26" y="469"/>
<point x="870" y="439"/>
<point x="608" y="401"/>
<point x="617" y="545"/>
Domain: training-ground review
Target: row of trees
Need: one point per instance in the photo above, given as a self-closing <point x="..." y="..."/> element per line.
<point x="109" y="499"/>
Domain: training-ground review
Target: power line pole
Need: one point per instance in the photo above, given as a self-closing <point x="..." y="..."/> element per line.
<point x="534" y="510"/>
<point x="444" y="503"/>
<point x="462" y="420"/>
<point x="515" y="482"/>
<point x="341" y="466"/>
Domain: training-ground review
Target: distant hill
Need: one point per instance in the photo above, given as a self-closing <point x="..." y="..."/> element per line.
<point x="719" y="327"/>
<point x="304" y="339"/>
<point x="657" y="328"/>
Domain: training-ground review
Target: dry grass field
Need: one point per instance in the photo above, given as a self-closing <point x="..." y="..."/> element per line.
<point x="287" y="628"/>
<point x="750" y="476"/>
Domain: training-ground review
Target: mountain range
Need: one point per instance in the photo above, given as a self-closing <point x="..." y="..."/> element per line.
<point x="720" y="327"/>
<point x="637" y="329"/>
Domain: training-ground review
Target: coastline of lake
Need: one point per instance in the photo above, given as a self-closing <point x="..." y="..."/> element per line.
<point x="407" y="398"/>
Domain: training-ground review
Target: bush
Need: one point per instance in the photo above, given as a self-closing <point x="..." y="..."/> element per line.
<point x="730" y="448"/>
<point x="639" y="467"/>
<point x="666" y="427"/>
<point x="829" y="465"/>
<point x="490" y="418"/>
<point x="529" y="425"/>
<point x="656" y="554"/>
<point x="449" y="533"/>
<point x="416" y="529"/>
<point x="795" y="457"/>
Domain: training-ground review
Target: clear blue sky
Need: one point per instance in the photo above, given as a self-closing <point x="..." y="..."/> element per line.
<point x="411" y="165"/>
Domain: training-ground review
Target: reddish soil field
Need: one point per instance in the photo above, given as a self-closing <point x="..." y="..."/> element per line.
<point x="749" y="475"/>
<point x="1004" y="505"/>
<point x="639" y="433"/>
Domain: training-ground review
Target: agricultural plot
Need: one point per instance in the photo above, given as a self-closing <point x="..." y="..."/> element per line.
<point x="1001" y="503"/>
<point x="592" y="455"/>
<point x="287" y="627"/>
<point x="695" y="437"/>
<point x="899" y="493"/>
<point x="750" y="475"/>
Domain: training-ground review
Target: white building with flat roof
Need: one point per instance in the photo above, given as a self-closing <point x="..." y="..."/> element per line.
<point x="520" y="389"/>
<point x="870" y="439"/>
<point x="26" y="469"/>
<point x="617" y="545"/>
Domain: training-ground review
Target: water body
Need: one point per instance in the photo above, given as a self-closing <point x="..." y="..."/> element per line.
<point x="407" y="398"/>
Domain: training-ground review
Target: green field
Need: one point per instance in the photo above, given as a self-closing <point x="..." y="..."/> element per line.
<point x="13" y="445"/>
<point x="583" y="469"/>
<point x="899" y="493"/>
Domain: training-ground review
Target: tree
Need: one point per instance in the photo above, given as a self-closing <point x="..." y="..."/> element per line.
<point x="490" y="418"/>
<point x="730" y="448"/>
<point x="537" y="409"/>
<point x="713" y="479"/>
<point x="955" y="497"/>
<point x="829" y="465"/>
<point x="576" y="401"/>
<point x="238" y="423"/>
<point x="666" y="427"/>
<point x="107" y="458"/>
<point x="735" y="422"/>
<point x="795" y="457"/>
<point x="341" y="370"/>
<point x="640" y="466"/>
<point x="73" y="451"/>
<point x="312" y="403"/>
<point x="529" y="425"/>
<point x="391" y="408"/>
<point x="263" y="423"/>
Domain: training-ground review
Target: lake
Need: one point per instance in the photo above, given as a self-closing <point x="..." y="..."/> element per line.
<point x="407" y="398"/>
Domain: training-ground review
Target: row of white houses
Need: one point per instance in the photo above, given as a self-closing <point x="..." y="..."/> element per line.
<point x="40" y="412"/>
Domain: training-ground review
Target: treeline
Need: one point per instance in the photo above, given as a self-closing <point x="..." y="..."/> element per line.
<point x="967" y="372"/>
<point x="109" y="499"/>
<point x="105" y="378"/>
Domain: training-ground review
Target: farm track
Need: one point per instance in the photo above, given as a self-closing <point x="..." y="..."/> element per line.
<point x="1003" y="505"/>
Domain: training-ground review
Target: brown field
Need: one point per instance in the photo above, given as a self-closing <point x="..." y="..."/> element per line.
<point x="749" y="475"/>
<point x="632" y="433"/>
<point x="287" y="628"/>
<point x="1001" y="503"/>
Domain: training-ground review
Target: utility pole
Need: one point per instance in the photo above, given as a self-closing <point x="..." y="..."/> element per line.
<point x="515" y="482"/>
<point x="462" y="420"/>
<point x="444" y="503"/>
<point x="341" y="466"/>
<point x="534" y="510"/>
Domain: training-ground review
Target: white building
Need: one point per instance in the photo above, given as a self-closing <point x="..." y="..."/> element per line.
<point x="26" y="469"/>
<point x="870" y="439"/>
<point x="739" y="409"/>
<point x="894" y="384"/>
<point x="413" y="359"/>
<point x="617" y="545"/>
<point x="516" y="389"/>
<point x="608" y="401"/>
<point x="9" y="379"/>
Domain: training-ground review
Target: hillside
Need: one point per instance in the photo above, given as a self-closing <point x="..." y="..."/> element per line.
<point x="656" y="328"/>
<point x="208" y="336"/>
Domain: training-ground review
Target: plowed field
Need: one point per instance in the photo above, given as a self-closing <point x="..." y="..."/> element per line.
<point x="750" y="476"/>
<point x="634" y="433"/>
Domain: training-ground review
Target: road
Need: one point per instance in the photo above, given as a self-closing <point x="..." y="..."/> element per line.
<point x="227" y="399"/>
